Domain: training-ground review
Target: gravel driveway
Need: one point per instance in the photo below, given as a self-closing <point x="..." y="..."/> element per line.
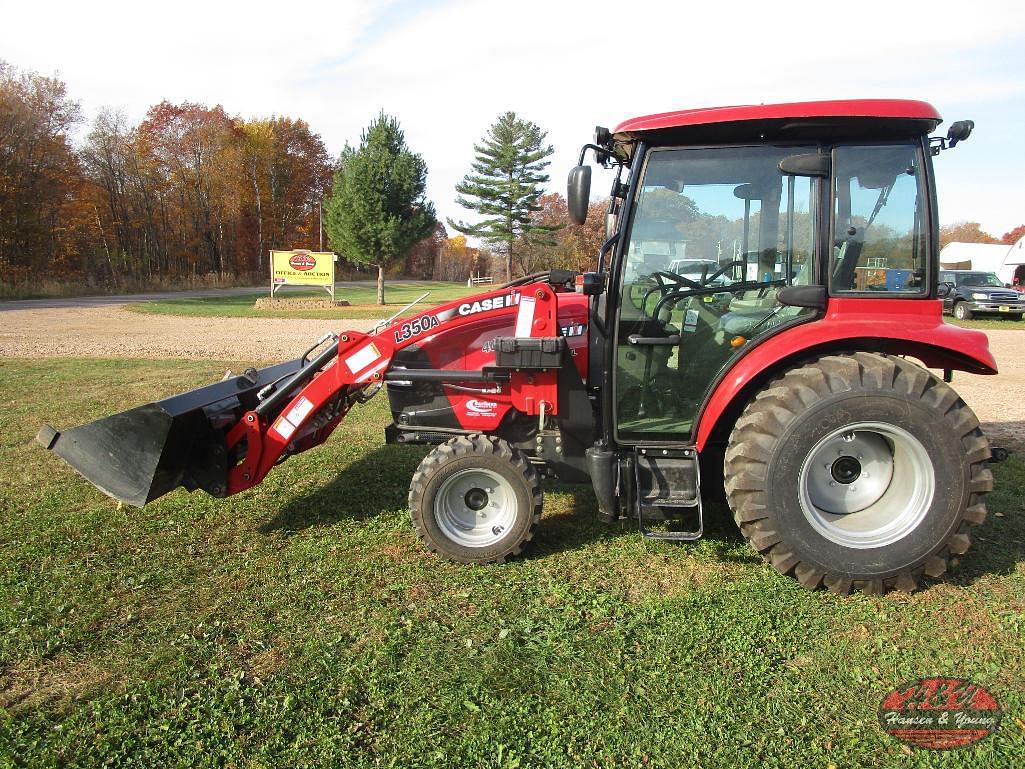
<point x="111" y="331"/>
<point x="105" y="332"/>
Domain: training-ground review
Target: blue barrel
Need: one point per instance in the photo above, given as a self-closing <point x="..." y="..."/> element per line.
<point x="897" y="280"/>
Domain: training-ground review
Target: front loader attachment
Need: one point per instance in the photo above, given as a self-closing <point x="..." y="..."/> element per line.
<point x="226" y="437"/>
<point x="145" y="452"/>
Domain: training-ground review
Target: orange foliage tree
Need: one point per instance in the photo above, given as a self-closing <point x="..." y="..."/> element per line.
<point x="1013" y="236"/>
<point x="964" y="232"/>
<point x="44" y="220"/>
<point x="566" y="246"/>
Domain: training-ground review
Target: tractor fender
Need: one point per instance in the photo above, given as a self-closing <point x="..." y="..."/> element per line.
<point x="913" y="327"/>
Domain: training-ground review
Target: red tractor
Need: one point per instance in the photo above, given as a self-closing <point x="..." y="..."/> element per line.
<point x="768" y="272"/>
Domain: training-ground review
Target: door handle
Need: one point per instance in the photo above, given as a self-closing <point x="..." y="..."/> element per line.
<point x="654" y="340"/>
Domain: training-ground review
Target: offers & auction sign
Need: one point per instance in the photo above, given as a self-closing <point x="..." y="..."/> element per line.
<point x="302" y="268"/>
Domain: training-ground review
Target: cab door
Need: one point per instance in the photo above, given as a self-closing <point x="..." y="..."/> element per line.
<point x="714" y="235"/>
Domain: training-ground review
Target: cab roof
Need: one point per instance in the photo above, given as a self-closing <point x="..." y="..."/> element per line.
<point x="902" y="109"/>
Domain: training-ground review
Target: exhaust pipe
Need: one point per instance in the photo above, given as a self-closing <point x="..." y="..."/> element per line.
<point x="145" y="452"/>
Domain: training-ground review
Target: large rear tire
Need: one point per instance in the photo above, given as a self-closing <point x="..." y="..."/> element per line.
<point x="475" y="499"/>
<point x="859" y="471"/>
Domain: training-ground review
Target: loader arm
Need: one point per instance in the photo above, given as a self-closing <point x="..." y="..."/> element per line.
<point x="226" y="438"/>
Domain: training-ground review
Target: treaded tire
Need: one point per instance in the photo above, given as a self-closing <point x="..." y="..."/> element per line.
<point x="774" y="437"/>
<point x="471" y="453"/>
<point x="961" y="311"/>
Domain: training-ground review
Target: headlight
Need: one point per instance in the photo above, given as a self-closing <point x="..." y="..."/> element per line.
<point x="977" y="295"/>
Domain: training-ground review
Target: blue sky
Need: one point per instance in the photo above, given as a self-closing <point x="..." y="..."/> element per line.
<point x="447" y="69"/>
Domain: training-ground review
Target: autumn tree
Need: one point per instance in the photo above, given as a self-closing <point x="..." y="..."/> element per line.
<point x="459" y="261"/>
<point x="1013" y="236"/>
<point x="377" y="210"/>
<point x="588" y="238"/>
<point x="40" y="177"/>
<point x="567" y="246"/>
<point x="964" y="232"/>
<point x="505" y="185"/>
<point x="423" y="257"/>
<point x="193" y="190"/>
<point x="290" y="174"/>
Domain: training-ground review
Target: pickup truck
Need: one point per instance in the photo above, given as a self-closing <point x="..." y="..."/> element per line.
<point x="974" y="292"/>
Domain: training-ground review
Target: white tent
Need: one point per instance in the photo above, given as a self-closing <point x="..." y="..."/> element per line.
<point x="1004" y="260"/>
<point x="1016" y="253"/>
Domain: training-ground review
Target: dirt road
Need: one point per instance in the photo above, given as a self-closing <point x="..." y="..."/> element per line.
<point x="101" y="332"/>
<point x="110" y="331"/>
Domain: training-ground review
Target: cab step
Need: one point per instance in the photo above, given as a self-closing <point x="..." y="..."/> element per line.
<point x="668" y="482"/>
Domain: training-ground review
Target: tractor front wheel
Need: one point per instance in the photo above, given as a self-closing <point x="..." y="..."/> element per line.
<point x="858" y="471"/>
<point x="475" y="499"/>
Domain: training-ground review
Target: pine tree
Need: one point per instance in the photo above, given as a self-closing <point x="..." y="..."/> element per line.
<point x="505" y="185"/>
<point x="377" y="210"/>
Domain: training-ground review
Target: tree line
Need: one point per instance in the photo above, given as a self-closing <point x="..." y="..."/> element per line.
<point x="972" y="232"/>
<point x="193" y="192"/>
<point x="188" y="191"/>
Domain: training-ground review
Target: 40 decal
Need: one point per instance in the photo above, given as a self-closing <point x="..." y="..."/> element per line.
<point x="415" y="327"/>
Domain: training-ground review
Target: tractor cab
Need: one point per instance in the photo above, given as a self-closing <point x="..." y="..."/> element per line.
<point x="738" y="223"/>
<point x="729" y="228"/>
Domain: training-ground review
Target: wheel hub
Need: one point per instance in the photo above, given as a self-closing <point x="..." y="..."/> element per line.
<point x="475" y="507"/>
<point x="866" y="485"/>
<point x="851" y="470"/>
<point x="476" y="499"/>
<point x="846" y="470"/>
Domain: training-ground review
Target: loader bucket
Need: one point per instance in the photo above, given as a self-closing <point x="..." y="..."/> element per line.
<point x="145" y="452"/>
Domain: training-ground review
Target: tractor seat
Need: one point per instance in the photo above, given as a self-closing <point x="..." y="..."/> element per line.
<point x="747" y="311"/>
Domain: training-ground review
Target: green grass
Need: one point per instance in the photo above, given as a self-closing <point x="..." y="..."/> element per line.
<point x="986" y="323"/>
<point x="363" y="302"/>
<point x="300" y="624"/>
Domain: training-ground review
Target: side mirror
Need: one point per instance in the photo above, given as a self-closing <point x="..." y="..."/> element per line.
<point x="943" y="290"/>
<point x="578" y="193"/>
<point x="959" y="131"/>
<point x="1007" y="285"/>
<point x="812" y="164"/>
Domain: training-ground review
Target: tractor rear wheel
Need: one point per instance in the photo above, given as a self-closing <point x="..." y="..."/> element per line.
<point x="475" y="499"/>
<point x="858" y="471"/>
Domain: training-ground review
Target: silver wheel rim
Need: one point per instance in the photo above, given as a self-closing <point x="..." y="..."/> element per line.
<point x="475" y="507"/>
<point x="867" y="484"/>
<point x="959" y="312"/>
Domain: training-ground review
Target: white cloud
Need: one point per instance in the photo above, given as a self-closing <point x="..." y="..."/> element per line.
<point x="130" y="55"/>
<point x="447" y="70"/>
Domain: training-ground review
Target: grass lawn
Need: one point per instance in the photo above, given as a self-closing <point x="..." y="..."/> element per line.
<point x="363" y="302"/>
<point x="398" y="294"/>
<point x="300" y="624"/>
<point x="987" y="322"/>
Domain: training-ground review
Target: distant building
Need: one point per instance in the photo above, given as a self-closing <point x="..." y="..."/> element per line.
<point x="1008" y="262"/>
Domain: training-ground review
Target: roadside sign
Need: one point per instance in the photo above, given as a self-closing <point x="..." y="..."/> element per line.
<point x="302" y="268"/>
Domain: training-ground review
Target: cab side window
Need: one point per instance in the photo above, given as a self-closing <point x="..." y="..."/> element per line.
<point x="879" y="232"/>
